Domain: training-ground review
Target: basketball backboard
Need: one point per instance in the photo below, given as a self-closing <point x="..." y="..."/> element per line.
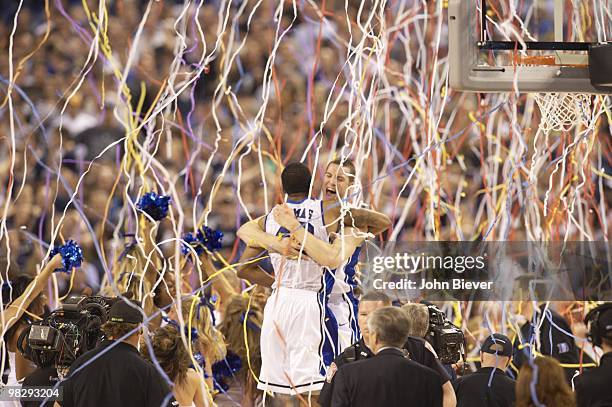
<point x="526" y="45"/>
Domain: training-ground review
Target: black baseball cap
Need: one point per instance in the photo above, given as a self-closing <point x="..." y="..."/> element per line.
<point x="497" y="344"/>
<point x="605" y="321"/>
<point x="124" y="311"/>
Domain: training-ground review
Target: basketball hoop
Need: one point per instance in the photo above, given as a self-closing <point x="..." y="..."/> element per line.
<point x="563" y="111"/>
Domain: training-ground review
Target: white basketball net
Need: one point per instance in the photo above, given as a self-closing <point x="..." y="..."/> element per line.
<point x="563" y="111"/>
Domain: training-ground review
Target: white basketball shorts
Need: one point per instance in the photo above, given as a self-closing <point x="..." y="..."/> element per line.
<point x="296" y="346"/>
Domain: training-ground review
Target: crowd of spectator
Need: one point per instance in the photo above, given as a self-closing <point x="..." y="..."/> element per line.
<point x="54" y="127"/>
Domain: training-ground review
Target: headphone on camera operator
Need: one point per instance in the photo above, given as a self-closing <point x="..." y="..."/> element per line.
<point x="599" y="328"/>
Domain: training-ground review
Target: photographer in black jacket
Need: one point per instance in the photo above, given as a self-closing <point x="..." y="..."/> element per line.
<point x="114" y="374"/>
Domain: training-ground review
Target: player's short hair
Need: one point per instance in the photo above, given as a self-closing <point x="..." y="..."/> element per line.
<point x="418" y="319"/>
<point x="345" y="163"/>
<point x="296" y="178"/>
<point x="607" y="341"/>
<point x="376" y="296"/>
<point x="390" y="324"/>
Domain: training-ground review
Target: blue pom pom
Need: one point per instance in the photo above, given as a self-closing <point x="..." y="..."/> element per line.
<point x="211" y="239"/>
<point x="156" y="206"/>
<point x="226" y="368"/>
<point x="205" y="238"/>
<point x="191" y="240"/>
<point x="72" y="256"/>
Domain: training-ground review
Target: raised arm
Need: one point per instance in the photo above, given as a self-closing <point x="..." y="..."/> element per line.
<point x="330" y="255"/>
<point x="326" y="254"/>
<point x="363" y="219"/>
<point x="249" y="269"/>
<point x="152" y="258"/>
<point x="366" y="219"/>
<point x="15" y="309"/>
<point x="253" y="234"/>
<point x="219" y="282"/>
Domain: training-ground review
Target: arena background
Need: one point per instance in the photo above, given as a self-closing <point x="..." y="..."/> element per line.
<point x="205" y="101"/>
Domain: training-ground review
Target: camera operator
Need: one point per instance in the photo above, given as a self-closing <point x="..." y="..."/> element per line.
<point x="389" y="378"/>
<point x="490" y="385"/>
<point x="422" y="352"/>
<point x="114" y="374"/>
<point x="22" y="299"/>
<point x="45" y="374"/>
<point x="593" y="386"/>
<point x="417" y="348"/>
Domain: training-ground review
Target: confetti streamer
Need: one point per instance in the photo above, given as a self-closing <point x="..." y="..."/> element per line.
<point x="212" y="99"/>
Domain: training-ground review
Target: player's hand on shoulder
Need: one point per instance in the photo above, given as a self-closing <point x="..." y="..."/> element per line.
<point x="283" y="214"/>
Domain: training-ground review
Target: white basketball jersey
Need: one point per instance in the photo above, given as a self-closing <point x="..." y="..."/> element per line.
<point x="300" y="273"/>
<point x="345" y="278"/>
